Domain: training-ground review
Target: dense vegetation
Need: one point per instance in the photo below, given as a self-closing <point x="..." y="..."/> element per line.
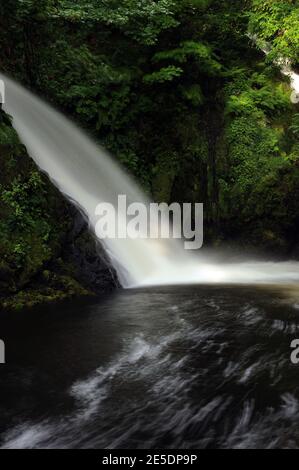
<point x="180" y="92"/>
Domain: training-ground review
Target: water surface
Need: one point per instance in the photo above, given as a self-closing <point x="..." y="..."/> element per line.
<point x="172" y="367"/>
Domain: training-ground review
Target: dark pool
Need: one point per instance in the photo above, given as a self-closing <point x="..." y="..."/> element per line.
<point x="172" y="367"/>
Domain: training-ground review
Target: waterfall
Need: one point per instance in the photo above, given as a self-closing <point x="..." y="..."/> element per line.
<point x="284" y="64"/>
<point x="88" y="175"/>
<point x="294" y="79"/>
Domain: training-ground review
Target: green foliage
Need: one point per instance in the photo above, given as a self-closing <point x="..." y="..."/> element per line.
<point x="268" y="99"/>
<point x="143" y="20"/>
<point x="193" y="94"/>
<point x="165" y="74"/>
<point x="29" y="236"/>
<point x="111" y="65"/>
<point x="202" y="54"/>
<point x="176" y="90"/>
<point x="277" y="22"/>
<point x="7" y="135"/>
<point x="26" y="228"/>
<point x="295" y="125"/>
<point x="261" y="157"/>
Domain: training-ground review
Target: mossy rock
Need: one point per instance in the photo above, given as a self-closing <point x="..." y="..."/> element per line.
<point x="42" y="252"/>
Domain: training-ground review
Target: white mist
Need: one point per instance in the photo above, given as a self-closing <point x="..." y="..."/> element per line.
<point x="87" y="175"/>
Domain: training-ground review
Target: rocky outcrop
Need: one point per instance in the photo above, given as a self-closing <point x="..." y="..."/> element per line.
<point x="47" y="252"/>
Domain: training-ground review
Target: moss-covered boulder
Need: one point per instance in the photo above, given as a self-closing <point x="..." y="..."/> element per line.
<point x="41" y="259"/>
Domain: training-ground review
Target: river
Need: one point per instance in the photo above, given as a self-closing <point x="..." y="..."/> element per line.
<point x="188" y="367"/>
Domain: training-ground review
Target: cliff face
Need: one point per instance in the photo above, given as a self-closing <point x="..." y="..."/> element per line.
<point x="42" y="260"/>
<point x="181" y="95"/>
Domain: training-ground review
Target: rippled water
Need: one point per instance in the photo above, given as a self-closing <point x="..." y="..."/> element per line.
<point x="189" y="367"/>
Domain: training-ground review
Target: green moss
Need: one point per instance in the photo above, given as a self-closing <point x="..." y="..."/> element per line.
<point x="56" y="289"/>
<point x="32" y="270"/>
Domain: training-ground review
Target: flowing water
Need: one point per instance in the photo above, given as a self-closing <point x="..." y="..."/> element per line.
<point x="294" y="80"/>
<point x="87" y="175"/>
<point x="171" y="367"/>
<point x="285" y="66"/>
<point x="191" y="366"/>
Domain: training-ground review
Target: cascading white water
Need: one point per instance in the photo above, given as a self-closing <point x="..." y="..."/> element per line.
<point x="87" y="175"/>
<point x="294" y="78"/>
<point x="284" y="64"/>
